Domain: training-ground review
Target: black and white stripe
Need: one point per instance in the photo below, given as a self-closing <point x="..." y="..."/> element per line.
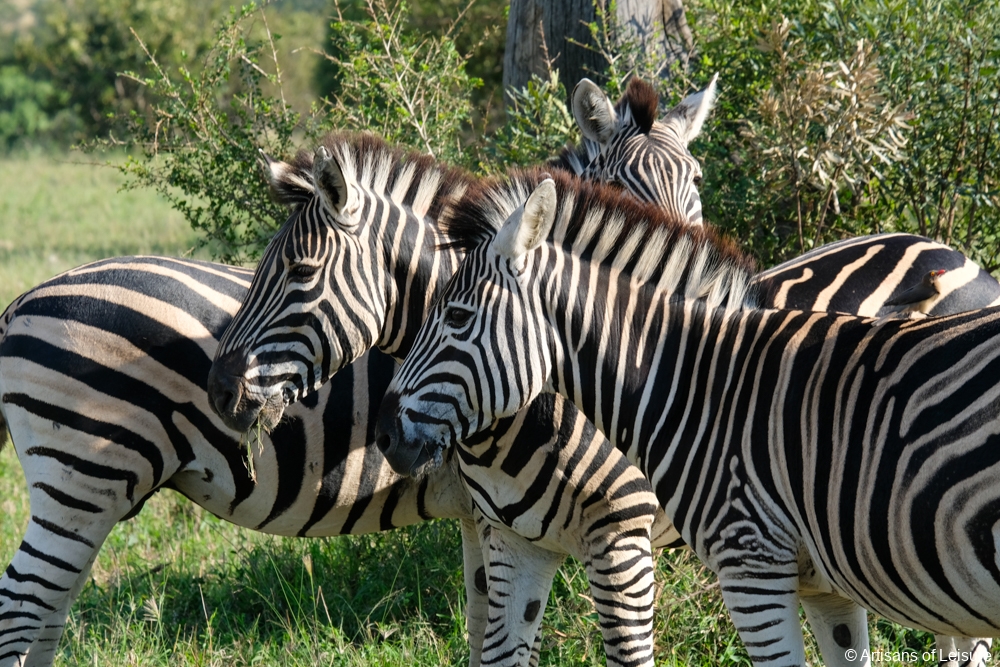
<point x="833" y="461"/>
<point x="398" y="254"/>
<point x="858" y="276"/>
<point x="629" y="145"/>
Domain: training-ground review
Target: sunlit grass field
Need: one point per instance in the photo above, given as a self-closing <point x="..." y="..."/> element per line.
<point x="177" y="586"/>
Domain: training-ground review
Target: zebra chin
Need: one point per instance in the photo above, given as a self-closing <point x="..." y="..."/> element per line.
<point x="409" y="450"/>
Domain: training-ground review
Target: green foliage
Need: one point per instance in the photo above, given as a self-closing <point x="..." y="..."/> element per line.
<point x="476" y="29"/>
<point x="823" y="137"/>
<point x="29" y="109"/>
<point x="944" y="58"/>
<point x="200" y="143"/>
<point x="934" y="65"/>
<point x="80" y="48"/>
<point x="408" y="87"/>
<point x="539" y="124"/>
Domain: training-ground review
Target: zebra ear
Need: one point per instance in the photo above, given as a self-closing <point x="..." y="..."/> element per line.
<point x="594" y="112"/>
<point x="525" y="232"/>
<point x="290" y="185"/>
<point x="331" y="184"/>
<point x="688" y="116"/>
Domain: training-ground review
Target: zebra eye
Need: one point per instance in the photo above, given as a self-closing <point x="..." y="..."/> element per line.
<point x="697" y="181"/>
<point x="457" y="317"/>
<point x="302" y="272"/>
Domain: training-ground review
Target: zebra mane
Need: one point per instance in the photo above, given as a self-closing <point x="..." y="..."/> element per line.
<point x="640" y="106"/>
<point x="601" y="223"/>
<point x="409" y="178"/>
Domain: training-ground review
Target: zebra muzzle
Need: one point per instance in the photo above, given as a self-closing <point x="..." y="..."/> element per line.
<point x="406" y="457"/>
<point x="227" y="396"/>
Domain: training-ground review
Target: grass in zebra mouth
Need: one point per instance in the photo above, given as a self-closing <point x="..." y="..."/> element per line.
<point x="252" y="440"/>
<point x="176" y="586"/>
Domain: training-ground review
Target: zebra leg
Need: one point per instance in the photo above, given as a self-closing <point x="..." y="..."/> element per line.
<point x="39" y="586"/>
<point x="75" y="502"/>
<point x="764" y="606"/>
<point x="963" y="651"/>
<point x="621" y="577"/>
<point x="476" y="600"/>
<point x="520" y="577"/>
<point x="43" y="650"/>
<point x="841" y="628"/>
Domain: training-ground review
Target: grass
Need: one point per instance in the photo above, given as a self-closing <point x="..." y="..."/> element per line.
<point x="178" y="586"/>
<point x="59" y="212"/>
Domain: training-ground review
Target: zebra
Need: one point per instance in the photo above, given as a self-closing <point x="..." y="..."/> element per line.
<point x="375" y="192"/>
<point x="627" y="144"/>
<point x="270" y="354"/>
<point x="174" y="311"/>
<point x="830" y="460"/>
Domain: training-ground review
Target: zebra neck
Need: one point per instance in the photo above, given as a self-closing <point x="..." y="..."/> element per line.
<point x="418" y="270"/>
<point x="609" y="329"/>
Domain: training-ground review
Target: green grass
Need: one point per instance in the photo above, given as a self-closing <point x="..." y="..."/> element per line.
<point x="177" y="586"/>
<point x="59" y="212"/>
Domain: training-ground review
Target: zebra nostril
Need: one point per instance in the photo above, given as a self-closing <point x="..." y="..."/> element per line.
<point x="383" y="442"/>
<point x="385" y="427"/>
<point x="225" y="392"/>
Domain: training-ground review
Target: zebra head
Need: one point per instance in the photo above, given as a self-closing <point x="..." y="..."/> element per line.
<point x="627" y="145"/>
<point x="331" y="283"/>
<point x="489" y="316"/>
<point x="536" y="286"/>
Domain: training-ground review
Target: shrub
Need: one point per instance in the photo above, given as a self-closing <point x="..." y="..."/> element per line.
<point x="30" y="110"/>
<point x="200" y="142"/>
<point x="935" y="62"/>
<point x="409" y="87"/>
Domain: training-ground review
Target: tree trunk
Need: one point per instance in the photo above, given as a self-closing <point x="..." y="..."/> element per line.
<point x="539" y="34"/>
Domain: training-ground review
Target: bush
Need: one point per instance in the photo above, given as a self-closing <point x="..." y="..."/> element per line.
<point x="408" y="87"/>
<point x="81" y="48"/>
<point x="934" y="64"/>
<point x="199" y="141"/>
<point x="817" y="134"/>
<point x="199" y="144"/>
<point x="30" y="110"/>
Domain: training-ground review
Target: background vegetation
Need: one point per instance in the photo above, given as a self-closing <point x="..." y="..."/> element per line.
<point x="817" y="135"/>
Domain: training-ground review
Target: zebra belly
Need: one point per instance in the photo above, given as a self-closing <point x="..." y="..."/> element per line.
<point x="944" y="581"/>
